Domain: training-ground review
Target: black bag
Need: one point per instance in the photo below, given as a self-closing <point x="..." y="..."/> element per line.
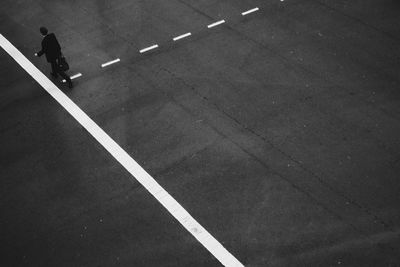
<point x="62" y="63"/>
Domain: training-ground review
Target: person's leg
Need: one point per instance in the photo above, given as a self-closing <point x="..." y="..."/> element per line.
<point x="65" y="76"/>
<point x="62" y="73"/>
<point x="53" y="68"/>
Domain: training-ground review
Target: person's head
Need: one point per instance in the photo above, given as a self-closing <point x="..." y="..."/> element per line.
<point x="43" y="31"/>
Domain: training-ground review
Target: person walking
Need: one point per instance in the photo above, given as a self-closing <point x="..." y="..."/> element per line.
<point x="52" y="49"/>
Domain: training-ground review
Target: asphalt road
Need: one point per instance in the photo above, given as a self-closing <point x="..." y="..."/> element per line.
<point x="278" y="131"/>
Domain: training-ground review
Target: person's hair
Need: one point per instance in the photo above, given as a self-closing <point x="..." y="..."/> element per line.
<point x="43" y="30"/>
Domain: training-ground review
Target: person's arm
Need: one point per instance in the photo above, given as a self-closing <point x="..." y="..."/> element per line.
<point x="57" y="46"/>
<point x="41" y="52"/>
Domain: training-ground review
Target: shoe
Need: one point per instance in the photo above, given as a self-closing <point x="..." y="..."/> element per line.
<point x="70" y="85"/>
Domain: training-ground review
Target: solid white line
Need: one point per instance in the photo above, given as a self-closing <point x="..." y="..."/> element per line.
<point x="250" y="11"/>
<point x="182" y="36"/>
<point x="176" y="210"/>
<point x="148" y="48"/>
<point x="216" y="23"/>
<point x="110" y="62"/>
<point x="73" y="77"/>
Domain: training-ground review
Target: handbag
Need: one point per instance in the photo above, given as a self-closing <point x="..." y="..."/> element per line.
<point x="62" y="63"/>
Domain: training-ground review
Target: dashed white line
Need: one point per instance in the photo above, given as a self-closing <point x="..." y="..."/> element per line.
<point x="73" y="77"/>
<point x="216" y="23"/>
<point x="176" y="210"/>
<point x="250" y="11"/>
<point x="181" y="36"/>
<point x="110" y="62"/>
<point x="148" y="48"/>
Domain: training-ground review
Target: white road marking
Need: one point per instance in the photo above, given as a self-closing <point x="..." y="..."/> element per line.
<point x="182" y="36"/>
<point x="73" y="77"/>
<point x="110" y="62"/>
<point x="216" y="23"/>
<point x="176" y="210"/>
<point x="148" y="48"/>
<point x="250" y="11"/>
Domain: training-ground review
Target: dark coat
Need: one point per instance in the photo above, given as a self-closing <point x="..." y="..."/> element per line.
<point x="50" y="47"/>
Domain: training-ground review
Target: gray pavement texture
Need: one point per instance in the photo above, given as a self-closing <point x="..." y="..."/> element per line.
<point x="278" y="131"/>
